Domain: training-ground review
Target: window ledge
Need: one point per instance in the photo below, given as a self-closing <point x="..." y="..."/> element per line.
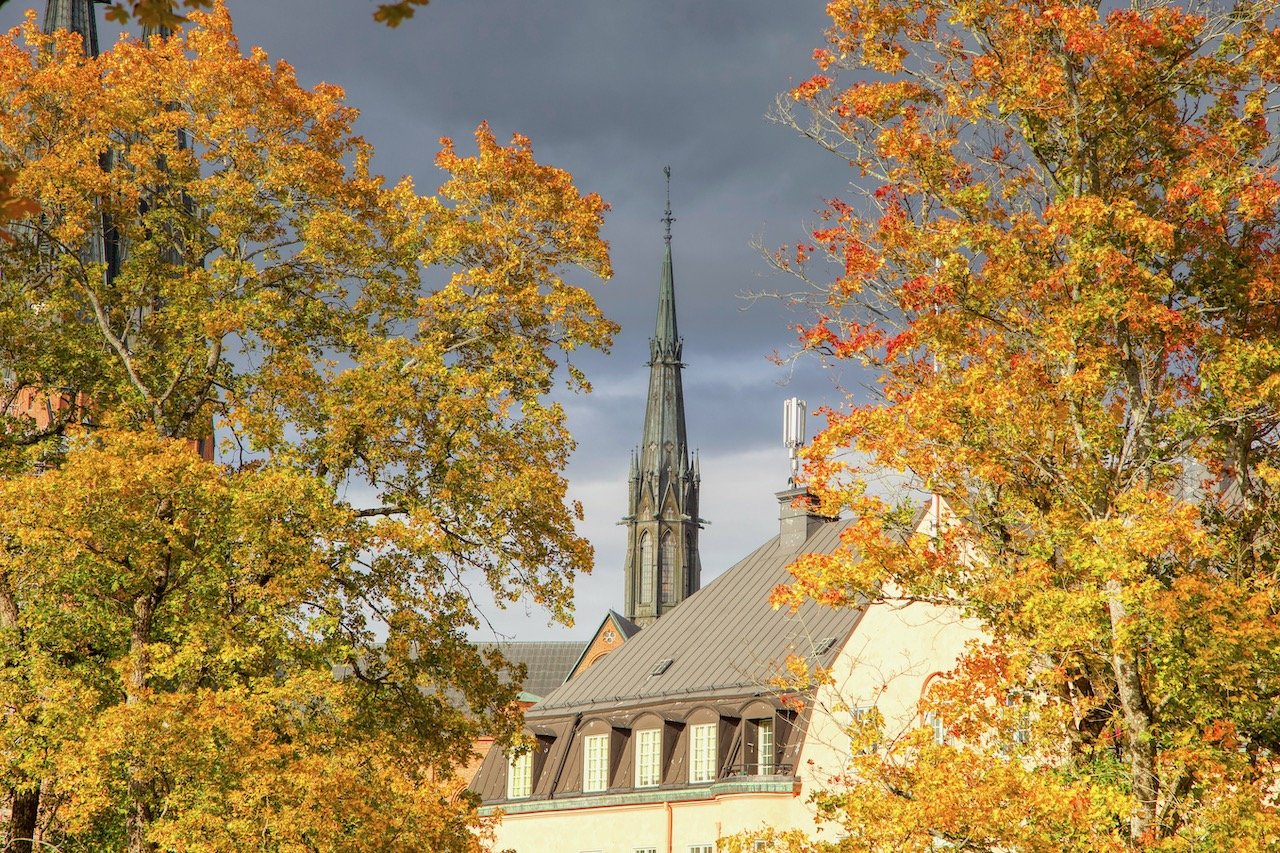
<point x="642" y="796"/>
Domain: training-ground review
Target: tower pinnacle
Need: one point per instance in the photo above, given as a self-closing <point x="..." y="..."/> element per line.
<point x="662" y="566"/>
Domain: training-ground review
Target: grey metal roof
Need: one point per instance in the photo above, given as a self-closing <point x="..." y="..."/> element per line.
<point x="722" y="640"/>
<point x="548" y="662"/>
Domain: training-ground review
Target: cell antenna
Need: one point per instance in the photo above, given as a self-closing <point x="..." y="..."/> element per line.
<point x="793" y="433"/>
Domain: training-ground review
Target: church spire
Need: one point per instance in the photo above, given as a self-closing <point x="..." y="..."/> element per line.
<point x="662" y="545"/>
<point x="78" y="16"/>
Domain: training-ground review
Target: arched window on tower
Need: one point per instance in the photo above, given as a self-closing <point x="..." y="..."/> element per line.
<point x="666" y="570"/>
<point x="690" y="561"/>
<point x="646" y="568"/>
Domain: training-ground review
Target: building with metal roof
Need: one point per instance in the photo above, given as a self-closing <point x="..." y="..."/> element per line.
<point x="687" y="734"/>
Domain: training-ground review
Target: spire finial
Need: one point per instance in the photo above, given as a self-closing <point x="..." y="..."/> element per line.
<point x="668" y="218"/>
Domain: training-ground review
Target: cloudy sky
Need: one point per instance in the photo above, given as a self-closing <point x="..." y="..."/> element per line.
<point x="613" y="90"/>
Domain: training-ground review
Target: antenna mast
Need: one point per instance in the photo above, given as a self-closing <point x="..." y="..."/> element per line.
<point x="793" y="433"/>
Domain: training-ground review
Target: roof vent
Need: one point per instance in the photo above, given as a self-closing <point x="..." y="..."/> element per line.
<point x="824" y="645"/>
<point x="663" y="666"/>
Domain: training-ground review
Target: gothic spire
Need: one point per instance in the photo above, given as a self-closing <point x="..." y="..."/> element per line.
<point x="662" y="549"/>
<point x="78" y="16"/>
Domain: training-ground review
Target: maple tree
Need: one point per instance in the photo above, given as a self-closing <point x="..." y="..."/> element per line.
<point x="1060" y="264"/>
<point x="212" y="247"/>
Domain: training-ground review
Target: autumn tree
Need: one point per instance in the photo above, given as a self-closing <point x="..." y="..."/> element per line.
<point x="213" y="251"/>
<point x="1059" y="262"/>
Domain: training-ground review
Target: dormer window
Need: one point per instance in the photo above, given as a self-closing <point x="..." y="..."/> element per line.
<point x="595" y="763"/>
<point x="520" y="776"/>
<point x="702" y="752"/>
<point x="765" y="747"/>
<point x="648" y="758"/>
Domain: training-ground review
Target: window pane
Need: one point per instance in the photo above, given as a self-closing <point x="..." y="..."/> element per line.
<point x="764" y="747"/>
<point x="646" y="569"/>
<point x="520" y="776"/>
<point x="934" y="722"/>
<point x="648" y="758"/>
<point x="667" y="569"/>
<point x="702" y="753"/>
<point x="595" y="762"/>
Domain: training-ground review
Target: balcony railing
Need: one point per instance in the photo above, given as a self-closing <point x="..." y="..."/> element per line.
<point x="753" y="769"/>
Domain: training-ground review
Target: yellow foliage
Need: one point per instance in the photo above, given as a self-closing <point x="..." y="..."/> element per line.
<point x="376" y="364"/>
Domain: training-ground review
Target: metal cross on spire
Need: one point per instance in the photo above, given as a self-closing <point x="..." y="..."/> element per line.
<point x="668" y="218"/>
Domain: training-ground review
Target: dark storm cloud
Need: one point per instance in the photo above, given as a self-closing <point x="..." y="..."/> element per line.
<point x="612" y="90"/>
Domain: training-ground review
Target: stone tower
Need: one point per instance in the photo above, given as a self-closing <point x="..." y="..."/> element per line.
<point x="662" y="520"/>
<point x="77" y="16"/>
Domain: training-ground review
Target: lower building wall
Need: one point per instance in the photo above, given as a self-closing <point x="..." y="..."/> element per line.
<point x="671" y="827"/>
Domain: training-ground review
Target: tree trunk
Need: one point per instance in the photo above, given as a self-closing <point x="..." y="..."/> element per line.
<point x="24" y="812"/>
<point x="24" y="799"/>
<point x="138" y="815"/>
<point x="1141" y="747"/>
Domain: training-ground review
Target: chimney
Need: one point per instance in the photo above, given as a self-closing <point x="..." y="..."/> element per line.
<point x="797" y="523"/>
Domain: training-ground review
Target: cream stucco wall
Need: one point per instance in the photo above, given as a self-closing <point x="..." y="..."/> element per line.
<point x="885" y="664"/>
<point x="624" y="828"/>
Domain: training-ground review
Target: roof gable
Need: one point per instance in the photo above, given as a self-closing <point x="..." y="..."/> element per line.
<point x="622" y="630"/>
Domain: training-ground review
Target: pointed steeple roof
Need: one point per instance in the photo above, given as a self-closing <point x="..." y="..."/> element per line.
<point x="664" y="442"/>
<point x="666" y="335"/>
<point x="78" y="16"/>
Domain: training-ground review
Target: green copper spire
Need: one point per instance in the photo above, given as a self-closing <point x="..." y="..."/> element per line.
<point x="78" y="16"/>
<point x="665" y="337"/>
<point x="663" y="567"/>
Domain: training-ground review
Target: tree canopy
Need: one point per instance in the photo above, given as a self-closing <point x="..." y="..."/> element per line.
<point x="213" y="252"/>
<point x="1059" y="261"/>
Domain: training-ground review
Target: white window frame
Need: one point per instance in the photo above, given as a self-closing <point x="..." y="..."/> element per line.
<point x="860" y="714"/>
<point x="766" y="748"/>
<point x="595" y="763"/>
<point x="702" y="752"/>
<point x="934" y="721"/>
<point x="520" y="776"/>
<point x="648" y="758"/>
